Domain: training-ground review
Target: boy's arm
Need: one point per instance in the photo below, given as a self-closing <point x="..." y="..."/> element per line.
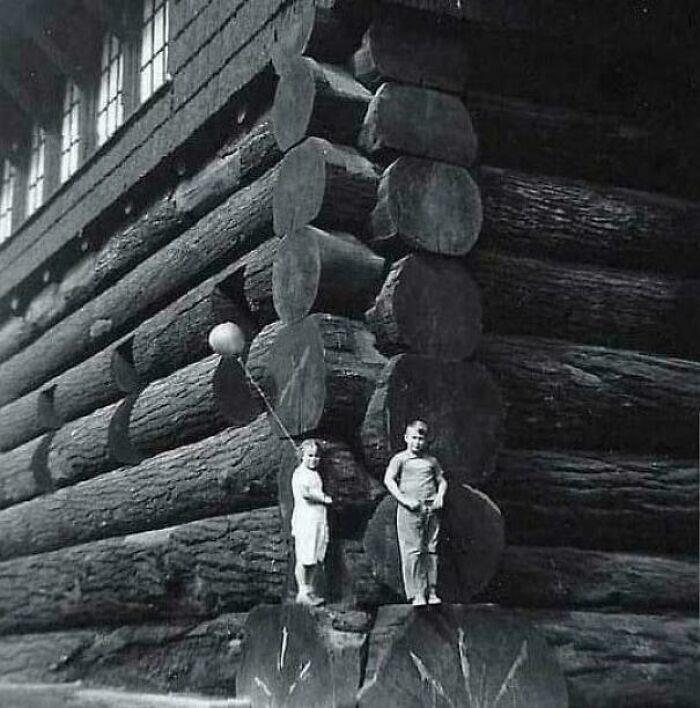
<point x="390" y="481"/>
<point x="312" y="495"/>
<point x="441" y="487"/>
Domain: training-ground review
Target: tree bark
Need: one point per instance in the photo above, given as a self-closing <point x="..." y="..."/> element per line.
<point x="553" y="217"/>
<point x="308" y="658"/>
<point x="331" y="186"/>
<point x="317" y="271"/>
<point x="227" y="563"/>
<point x="459" y="656"/>
<point x="27" y="418"/>
<point x="598" y="500"/>
<point x="257" y="282"/>
<point x="236" y="226"/>
<point x="324" y="370"/>
<point x="570" y="396"/>
<point x="419" y="122"/>
<point x="318" y="100"/>
<point x="23" y="472"/>
<point x="427" y="206"/>
<point x="14" y="332"/>
<point x="470" y="546"/>
<point x="623" y="309"/>
<point x="427" y="305"/>
<point x="458" y="400"/>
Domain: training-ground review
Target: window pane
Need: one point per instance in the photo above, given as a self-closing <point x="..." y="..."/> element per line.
<point x="7" y="193"/>
<point x="70" y="131"/>
<point x="154" y="41"/>
<point x="109" y="105"/>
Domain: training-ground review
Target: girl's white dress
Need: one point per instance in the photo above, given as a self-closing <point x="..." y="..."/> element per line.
<point x="309" y="519"/>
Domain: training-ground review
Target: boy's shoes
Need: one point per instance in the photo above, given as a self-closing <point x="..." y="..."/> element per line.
<point x="419" y="601"/>
<point x="433" y="598"/>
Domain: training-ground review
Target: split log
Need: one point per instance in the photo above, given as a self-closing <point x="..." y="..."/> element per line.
<point x="318" y="100"/>
<point x="623" y="309"/>
<point x="612" y="660"/>
<point x="324" y="370"/>
<point x="14" y="334"/>
<point x="471" y="542"/>
<point x="227" y="563"/>
<point x="458" y="400"/>
<point x="83" y="448"/>
<point x="459" y="656"/>
<point x="308" y="658"/>
<point x="531" y="576"/>
<point x="175" y="656"/>
<point x="414" y="48"/>
<point x="428" y="206"/>
<point x="419" y="122"/>
<point x="598" y="500"/>
<point x="427" y="305"/>
<point x="568" y="396"/>
<point x="331" y="186"/>
<point x="537" y="216"/>
<point x="236" y="226"/>
<point x="23" y="472"/>
<point x="234" y="470"/>
<point x="316" y="271"/>
<point x="27" y="418"/>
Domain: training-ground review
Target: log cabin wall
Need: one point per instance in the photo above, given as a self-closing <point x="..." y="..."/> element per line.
<point x="514" y="222"/>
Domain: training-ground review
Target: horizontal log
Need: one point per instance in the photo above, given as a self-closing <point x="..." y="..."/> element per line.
<point x="257" y="282"/>
<point x="458" y="400"/>
<point x="598" y="500"/>
<point x="318" y="100"/>
<point x="531" y="576"/>
<point x="427" y="305"/>
<point x="184" y="655"/>
<point x="23" y="472"/>
<point x="558" y="394"/>
<point x="329" y="186"/>
<point x="227" y="563"/>
<point x="13" y="335"/>
<point x="419" y="122"/>
<point x="27" y="418"/>
<point x="427" y="206"/>
<point x="552" y="217"/>
<point x="643" y="311"/>
<point x="324" y="370"/>
<point x="317" y="271"/>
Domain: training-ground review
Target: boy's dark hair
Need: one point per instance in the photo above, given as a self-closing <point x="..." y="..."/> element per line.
<point x="418" y="423"/>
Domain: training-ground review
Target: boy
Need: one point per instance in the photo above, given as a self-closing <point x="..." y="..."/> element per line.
<point x="309" y="521"/>
<point x="418" y="482"/>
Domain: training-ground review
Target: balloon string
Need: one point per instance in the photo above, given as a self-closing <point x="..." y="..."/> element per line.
<point x="266" y="401"/>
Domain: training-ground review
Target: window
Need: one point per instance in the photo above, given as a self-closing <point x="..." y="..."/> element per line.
<point x="70" y="131"/>
<point x="154" y="46"/>
<point x="7" y="195"/>
<point x="35" y="178"/>
<point x="110" y="100"/>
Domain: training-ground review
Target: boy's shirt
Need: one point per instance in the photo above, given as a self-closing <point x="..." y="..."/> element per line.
<point x="416" y="474"/>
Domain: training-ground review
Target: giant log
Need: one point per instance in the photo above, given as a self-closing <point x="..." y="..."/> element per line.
<point x="427" y="305"/>
<point x="569" y="396"/>
<point x="23" y="472"/>
<point x="631" y="310"/>
<point x="239" y="224"/>
<point x="427" y="206"/>
<point x="317" y="271"/>
<point x="329" y="186"/>
<point x="257" y="282"/>
<point x="324" y="370"/>
<point x="598" y="500"/>
<point x="458" y="400"/>
<point x="14" y="333"/>
<point x="27" y="418"/>
<point x="318" y="100"/>
<point x="419" y="122"/>
<point x="553" y="217"/>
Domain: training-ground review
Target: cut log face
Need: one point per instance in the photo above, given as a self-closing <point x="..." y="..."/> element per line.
<point x="324" y="370"/>
<point x="315" y="271"/>
<point x="428" y="206"/>
<point x="419" y="122"/>
<point x="415" y="48"/>
<point x="458" y="400"/>
<point x="334" y="187"/>
<point x="427" y="305"/>
<point x="298" y="657"/>
<point x="317" y="100"/>
<point x="471" y="542"/>
<point x="460" y="656"/>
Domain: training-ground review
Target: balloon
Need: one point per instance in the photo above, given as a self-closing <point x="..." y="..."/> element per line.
<point x="227" y="339"/>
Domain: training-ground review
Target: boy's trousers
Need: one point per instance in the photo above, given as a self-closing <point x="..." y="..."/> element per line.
<point x="418" y="535"/>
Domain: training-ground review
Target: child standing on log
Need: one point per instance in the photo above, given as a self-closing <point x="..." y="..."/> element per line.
<point x="309" y="521"/>
<point x="418" y="482"/>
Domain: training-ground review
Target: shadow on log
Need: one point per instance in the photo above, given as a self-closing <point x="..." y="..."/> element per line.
<point x="23" y="471"/>
<point x="27" y="418"/>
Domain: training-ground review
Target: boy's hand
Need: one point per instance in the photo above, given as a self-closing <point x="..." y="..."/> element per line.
<point x="438" y="503"/>
<point x="328" y="500"/>
<point x="411" y="504"/>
